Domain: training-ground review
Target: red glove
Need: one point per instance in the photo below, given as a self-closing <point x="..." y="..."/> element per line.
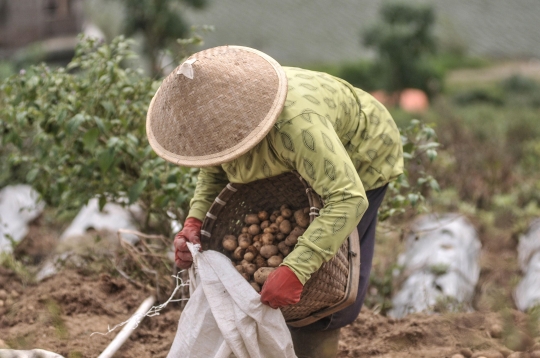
<point x="282" y="288"/>
<point x="191" y="232"/>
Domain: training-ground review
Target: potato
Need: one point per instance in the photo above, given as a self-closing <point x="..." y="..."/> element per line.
<point x="286" y="213"/>
<point x="267" y="239"/>
<point x="275" y="261"/>
<point x="284" y="248"/>
<point x="229" y="242"/>
<point x="257" y="245"/>
<point x="301" y="218"/>
<point x="274" y="227"/>
<point x="298" y="231"/>
<point x="262" y="273"/>
<point x="245" y="230"/>
<point x="260" y="261"/>
<point x="250" y="269"/>
<point x="251" y="219"/>
<point x="279" y="219"/>
<point x="238" y="254"/>
<point x="291" y="240"/>
<point x="252" y="249"/>
<point x="263" y="215"/>
<point x="265" y="224"/>
<point x="268" y="251"/>
<point x="244" y="240"/>
<point x="283" y="207"/>
<point x="285" y="227"/>
<point x="255" y="286"/>
<point x="249" y="256"/>
<point x="257" y="238"/>
<point x="269" y="230"/>
<point x="246" y="276"/>
<point x="280" y="236"/>
<point x="239" y="268"/>
<point x="254" y="229"/>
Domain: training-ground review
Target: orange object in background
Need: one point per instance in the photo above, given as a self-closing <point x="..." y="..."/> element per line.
<point x="381" y="96"/>
<point x="410" y="99"/>
<point x="413" y="100"/>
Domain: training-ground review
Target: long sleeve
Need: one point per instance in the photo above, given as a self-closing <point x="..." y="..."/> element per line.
<point x="210" y="182"/>
<point x="317" y="153"/>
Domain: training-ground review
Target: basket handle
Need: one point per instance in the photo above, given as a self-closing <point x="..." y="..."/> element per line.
<point x="315" y="201"/>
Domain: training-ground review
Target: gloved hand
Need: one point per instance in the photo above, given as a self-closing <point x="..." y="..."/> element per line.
<point x="282" y="288"/>
<point x="191" y="232"/>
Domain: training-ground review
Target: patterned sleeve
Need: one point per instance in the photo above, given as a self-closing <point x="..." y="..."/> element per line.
<point x="316" y="152"/>
<point x="210" y="182"/>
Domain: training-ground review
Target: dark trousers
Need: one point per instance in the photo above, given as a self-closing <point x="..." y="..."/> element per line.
<point x="366" y="232"/>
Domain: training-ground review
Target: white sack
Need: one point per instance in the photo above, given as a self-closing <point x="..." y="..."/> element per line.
<point x="34" y="353"/>
<point x="440" y="264"/>
<point x="225" y="317"/>
<point x="19" y="204"/>
<point x="111" y="218"/>
<point x="527" y="294"/>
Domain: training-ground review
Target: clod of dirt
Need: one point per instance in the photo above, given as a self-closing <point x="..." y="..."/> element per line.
<point x="110" y="285"/>
<point x="488" y="354"/>
<point x="505" y="351"/>
<point x="519" y="355"/>
<point x="467" y="352"/>
<point x="496" y="330"/>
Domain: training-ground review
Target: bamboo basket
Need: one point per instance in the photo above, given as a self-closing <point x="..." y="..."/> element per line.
<point x="333" y="287"/>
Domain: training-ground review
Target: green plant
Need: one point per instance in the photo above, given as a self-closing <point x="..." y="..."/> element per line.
<point x="78" y="132"/>
<point x="404" y="40"/>
<point x="160" y="23"/>
<point x="409" y="190"/>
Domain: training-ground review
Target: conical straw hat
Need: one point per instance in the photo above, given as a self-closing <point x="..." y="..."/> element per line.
<point x="216" y="106"/>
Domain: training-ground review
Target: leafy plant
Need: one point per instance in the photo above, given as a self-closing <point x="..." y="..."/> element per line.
<point x="79" y="132"/>
<point x="409" y="190"/>
<point x="404" y="40"/>
<point x="160" y="23"/>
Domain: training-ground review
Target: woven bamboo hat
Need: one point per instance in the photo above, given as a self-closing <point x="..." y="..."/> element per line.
<point x="216" y="106"/>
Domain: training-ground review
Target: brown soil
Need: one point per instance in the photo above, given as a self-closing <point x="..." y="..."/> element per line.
<point x="60" y="314"/>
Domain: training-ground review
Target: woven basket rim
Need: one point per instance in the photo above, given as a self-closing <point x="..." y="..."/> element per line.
<point x="352" y="252"/>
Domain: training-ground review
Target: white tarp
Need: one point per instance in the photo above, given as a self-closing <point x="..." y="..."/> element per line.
<point x="34" y="353"/>
<point x="224" y="316"/>
<point x="19" y="204"/>
<point x="527" y="293"/>
<point x="112" y="218"/>
<point x="439" y="266"/>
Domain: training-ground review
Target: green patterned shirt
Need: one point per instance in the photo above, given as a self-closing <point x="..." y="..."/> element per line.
<point x="339" y="138"/>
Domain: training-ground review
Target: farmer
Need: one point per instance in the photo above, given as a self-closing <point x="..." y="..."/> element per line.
<point x="238" y="115"/>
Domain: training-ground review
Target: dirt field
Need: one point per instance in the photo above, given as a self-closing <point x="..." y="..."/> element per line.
<point x="60" y="313"/>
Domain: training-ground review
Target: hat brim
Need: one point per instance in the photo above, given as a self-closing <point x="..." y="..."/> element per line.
<point x="237" y="149"/>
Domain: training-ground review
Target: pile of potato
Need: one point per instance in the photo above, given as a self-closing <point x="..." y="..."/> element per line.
<point x="266" y="239"/>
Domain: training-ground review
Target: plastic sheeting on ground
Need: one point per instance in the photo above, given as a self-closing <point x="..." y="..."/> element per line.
<point x="19" y="204"/>
<point x="439" y="267"/>
<point x="527" y="293"/>
<point x="34" y="353"/>
<point x="112" y="218"/>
